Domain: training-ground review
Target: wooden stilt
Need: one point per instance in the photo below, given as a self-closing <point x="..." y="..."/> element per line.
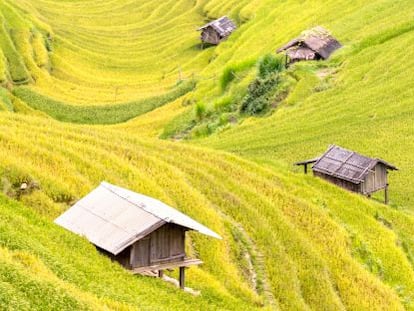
<point x="160" y="273"/>
<point x="386" y="199"/>
<point x="182" y="277"/>
<point x="306" y="168"/>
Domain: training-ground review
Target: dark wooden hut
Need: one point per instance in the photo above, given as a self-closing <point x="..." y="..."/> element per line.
<point x="351" y="170"/>
<point x="143" y="234"/>
<point x="314" y="44"/>
<point x="217" y="30"/>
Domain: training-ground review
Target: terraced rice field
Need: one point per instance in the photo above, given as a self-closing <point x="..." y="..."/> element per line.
<point x="106" y="52"/>
<point x="365" y="104"/>
<point x="291" y="242"/>
<point x="332" y="250"/>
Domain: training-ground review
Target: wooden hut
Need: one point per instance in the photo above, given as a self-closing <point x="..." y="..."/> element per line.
<point x="314" y="44"/>
<point x="143" y="234"/>
<point x="217" y="30"/>
<point x="351" y="170"/>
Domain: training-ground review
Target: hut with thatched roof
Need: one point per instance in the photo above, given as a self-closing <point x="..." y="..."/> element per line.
<point x="143" y="234"/>
<point x="313" y="44"/>
<point x="217" y="30"/>
<point x="352" y="171"/>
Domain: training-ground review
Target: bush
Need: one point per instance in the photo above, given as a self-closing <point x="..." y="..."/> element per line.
<point x="258" y="98"/>
<point x="200" y="110"/>
<point x="224" y="104"/>
<point x="269" y="64"/>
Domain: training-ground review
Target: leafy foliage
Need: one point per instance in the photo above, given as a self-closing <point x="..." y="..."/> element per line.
<point x="268" y="65"/>
<point x="259" y="96"/>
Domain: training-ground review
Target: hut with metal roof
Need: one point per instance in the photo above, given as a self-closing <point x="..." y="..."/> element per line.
<point x="351" y="170"/>
<point x="143" y="234"/>
<point x="313" y="44"/>
<point x="217" y="30"/>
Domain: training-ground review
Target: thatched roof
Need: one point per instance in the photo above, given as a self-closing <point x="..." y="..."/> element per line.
<point x="224" y="26"/>
<point x="317" y="39"/>
<point x="113" y="218"/>
<point x="348" y="165"/>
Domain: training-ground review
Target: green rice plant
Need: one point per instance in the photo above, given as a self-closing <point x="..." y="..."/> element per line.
<point x="105" y="114"/>
<point x="15" y="63"/>
<point x="40" y="50"/>
<point x="232" y="72"/>
<point x="5" y="99"/>
<point x="3" y="68"/>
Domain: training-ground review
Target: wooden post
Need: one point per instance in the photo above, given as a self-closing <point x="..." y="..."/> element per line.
<point x="306" y="168"/>
<point x="182" y="277"/>
<point x="160" y="273"/>
<point x="386" y="199"/>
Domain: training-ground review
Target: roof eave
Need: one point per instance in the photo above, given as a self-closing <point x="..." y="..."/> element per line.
<point x="135" y="238"/>
<point x="310" y="161"/>
<point x="388" y="165"/>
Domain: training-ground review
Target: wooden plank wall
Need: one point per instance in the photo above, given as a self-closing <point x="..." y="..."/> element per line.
<point x="166" y="244"/>
<point x="209" y="35"/>
<point x="339" y="182"/>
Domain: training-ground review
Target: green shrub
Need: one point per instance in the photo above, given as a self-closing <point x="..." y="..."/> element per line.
<point x="269" y="64"/>
<point x="202" y="130"/>
<point x="224" y="104"/>
<point x="200" y="110"/>
<point x="258" y="98"/>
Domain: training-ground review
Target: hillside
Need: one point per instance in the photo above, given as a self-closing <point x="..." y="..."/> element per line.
<point x="89" y="87"/>
<point x="317" y="246"/>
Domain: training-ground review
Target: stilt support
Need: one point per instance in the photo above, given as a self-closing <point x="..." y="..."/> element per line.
<point x="386" y="199"/>
<point x="160" y="273"/>
<point x="182" y="277"/>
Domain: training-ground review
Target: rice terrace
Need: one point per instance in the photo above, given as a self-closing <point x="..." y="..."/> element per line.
<point x="153" y="155"/>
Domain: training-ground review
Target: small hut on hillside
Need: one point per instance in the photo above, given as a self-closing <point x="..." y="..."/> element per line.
<point x="143" y="234"/>
<point x="217" y="30"/>
<point x="351" y="170"/>
<point x="314" y="44"/>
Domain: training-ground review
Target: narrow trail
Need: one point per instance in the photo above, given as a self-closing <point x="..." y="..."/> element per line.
<point x="256" y="266"/>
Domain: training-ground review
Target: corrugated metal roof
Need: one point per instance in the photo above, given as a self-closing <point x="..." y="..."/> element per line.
<point x="113" y="218"/>
<point x="347" y="165"/>
<point x="224" y="26"/>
